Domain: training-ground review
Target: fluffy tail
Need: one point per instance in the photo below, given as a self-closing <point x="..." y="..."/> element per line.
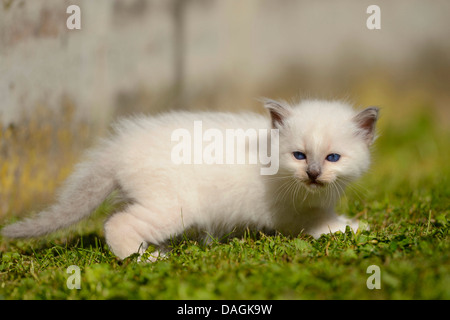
<point x="83" y="192"/>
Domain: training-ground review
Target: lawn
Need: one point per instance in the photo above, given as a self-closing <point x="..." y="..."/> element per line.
<point x="404" y="199"/>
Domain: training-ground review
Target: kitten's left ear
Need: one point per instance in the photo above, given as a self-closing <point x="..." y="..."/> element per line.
<point x="278" y="112"/>
<point x="366" y="121"/>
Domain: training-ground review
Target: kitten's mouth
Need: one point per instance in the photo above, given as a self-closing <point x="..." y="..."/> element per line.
<point x="314" y="184"/>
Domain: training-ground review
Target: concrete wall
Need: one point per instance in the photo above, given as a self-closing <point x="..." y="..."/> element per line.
<point x="185" y="47"/>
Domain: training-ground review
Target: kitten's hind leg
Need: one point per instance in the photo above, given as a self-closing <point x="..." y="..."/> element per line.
<point x="134" y="229"/>
<point x="122" y="236"/>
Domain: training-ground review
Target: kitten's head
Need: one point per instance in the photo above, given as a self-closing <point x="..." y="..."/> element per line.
<point x="323" y="142"/>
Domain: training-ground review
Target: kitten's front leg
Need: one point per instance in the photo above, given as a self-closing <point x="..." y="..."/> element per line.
<point x="332" y="224"/>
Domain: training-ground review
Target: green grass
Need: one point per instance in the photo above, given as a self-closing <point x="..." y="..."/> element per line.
<point x="404" y="199"/>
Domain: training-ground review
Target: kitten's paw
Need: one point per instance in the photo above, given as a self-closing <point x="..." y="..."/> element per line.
<point x="338" y="223"/>
<point x="150" y="257"/>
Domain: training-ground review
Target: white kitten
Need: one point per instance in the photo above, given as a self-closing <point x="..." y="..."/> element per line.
<point x="322" y="147"/>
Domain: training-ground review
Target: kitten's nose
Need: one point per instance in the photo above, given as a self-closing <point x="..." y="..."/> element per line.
<point x="313" y="173"/>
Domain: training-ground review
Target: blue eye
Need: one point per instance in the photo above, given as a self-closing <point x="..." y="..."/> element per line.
<point x="299" y="155"/>
<point x="333" y="157"/>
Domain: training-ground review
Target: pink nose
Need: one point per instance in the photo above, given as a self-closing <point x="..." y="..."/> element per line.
<point x="313" y="174"/>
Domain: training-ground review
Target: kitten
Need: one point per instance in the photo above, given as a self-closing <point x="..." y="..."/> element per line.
<point x="322" y="146"/>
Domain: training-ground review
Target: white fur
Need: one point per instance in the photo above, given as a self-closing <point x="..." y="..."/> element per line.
<point x="168" y="200"/>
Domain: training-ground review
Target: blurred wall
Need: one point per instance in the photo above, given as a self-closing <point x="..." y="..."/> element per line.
<point x="161" y="54"/>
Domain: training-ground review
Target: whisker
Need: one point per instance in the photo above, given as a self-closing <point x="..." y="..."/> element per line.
<point x="283" y="190"/>
<point x="355" y="187"/>
<point x="297" y="187"/>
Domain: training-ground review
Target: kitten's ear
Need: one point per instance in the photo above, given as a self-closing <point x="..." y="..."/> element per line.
<point x="366" y="121"/>
<point x="278" y="112"/>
